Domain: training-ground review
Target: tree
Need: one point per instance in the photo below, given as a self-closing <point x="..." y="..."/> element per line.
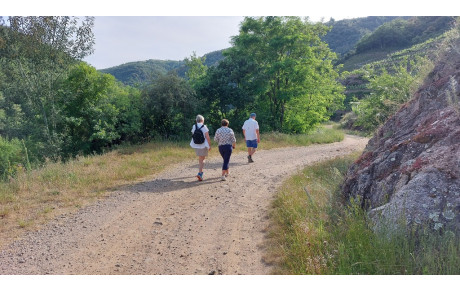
<point x="223" y="91"/>
<point x="89" y="118"/>
<point x="389" y="90"/>
<point x="169" y="107"/>
<point x="196" y="69"/>
<point x="292" y="75"/>
<point x="38" y="54"/>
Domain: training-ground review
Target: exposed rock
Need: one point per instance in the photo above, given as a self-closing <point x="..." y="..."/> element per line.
<point x="411" y="168"/>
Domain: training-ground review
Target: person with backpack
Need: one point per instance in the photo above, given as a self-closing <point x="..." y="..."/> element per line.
<point x="225" y="137"/>
<point x="201" y="142"/>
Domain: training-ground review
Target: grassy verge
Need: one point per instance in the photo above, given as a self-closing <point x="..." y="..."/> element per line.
<point x="338" y="126"/>
<point x="313" y="232"/>
<point x="319" y="136"/>
<point x="34" y="197"/>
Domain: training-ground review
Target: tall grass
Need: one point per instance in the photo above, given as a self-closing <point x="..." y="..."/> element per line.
<point x="32" y="197"/>
<point x="314" y="231"/>
<point x="321" y="135"/>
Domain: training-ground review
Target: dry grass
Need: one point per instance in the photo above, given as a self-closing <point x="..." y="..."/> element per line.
<point x="37" y="196"/>
<point x="34" y="197"/>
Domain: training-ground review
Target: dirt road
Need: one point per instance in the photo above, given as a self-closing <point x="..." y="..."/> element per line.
<point x="172" y="224"/>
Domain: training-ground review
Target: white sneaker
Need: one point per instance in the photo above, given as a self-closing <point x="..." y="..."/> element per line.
<point x="223" y="178"/>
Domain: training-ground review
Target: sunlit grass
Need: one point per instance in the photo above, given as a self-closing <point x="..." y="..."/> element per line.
<point x="338" y="126"/>
<point x="314" y="232"/>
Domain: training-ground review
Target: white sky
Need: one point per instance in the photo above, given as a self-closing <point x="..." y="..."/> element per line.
<point x="138" y="30"/>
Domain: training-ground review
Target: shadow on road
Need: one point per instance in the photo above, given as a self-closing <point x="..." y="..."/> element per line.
<point x="216" y="165"/>
<point x="170" y="185"/>
<point x="211" y="176"/>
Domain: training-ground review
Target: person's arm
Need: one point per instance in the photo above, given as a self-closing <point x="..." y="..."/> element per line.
<point x="258" y="135"/>
<point x="208" y="139"/>
<point x="244" y="133"/>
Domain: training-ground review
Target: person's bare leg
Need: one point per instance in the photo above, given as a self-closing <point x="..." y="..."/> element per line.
<point x="201" y="162"/>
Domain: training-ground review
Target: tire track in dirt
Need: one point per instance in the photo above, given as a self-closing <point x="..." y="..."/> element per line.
<point x="172" y="224"/>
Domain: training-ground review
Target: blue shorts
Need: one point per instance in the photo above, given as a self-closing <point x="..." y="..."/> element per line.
<point x="251" y="143"/>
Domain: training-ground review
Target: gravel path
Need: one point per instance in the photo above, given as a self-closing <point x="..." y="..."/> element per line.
<point x="172" y="224"/>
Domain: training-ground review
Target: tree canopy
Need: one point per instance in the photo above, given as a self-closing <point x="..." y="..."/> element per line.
<point x="288" y="70"/>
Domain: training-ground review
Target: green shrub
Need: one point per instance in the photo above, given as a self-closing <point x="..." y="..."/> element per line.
<point x="389" y="90"/>
<point x="12" y="157"/>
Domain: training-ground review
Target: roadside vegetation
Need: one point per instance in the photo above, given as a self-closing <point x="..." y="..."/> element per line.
<point x="314" y="231"/>
<point x="66" y="128"/>
<point x="32" y="197"/>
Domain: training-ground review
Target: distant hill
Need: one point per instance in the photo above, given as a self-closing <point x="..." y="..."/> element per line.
<point x="138" y="72"/>
<point x="394" y="36"/>
<point x="346" y="33"/>
<point x="401" y="33"/>
<point x="135" y="73"/>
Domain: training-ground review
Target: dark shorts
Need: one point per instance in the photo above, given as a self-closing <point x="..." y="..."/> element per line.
<point x="251" y="143"/>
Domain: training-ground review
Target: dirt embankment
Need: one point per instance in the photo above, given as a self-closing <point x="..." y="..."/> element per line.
<point x="171" y="223"/>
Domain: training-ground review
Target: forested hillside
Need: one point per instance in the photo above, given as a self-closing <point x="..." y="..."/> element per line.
<point x="401" y="33"/>
<point x="393" y="36"/>
<point x="139" y="72"/>
<point x="346" y="33"/>
<point x="136" y="73"/>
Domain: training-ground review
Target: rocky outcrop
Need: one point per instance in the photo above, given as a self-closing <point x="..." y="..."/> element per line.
<point x="411" y="168"/>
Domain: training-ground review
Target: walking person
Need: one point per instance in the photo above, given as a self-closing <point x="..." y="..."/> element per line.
<point x="252" y="135"/>
<point x="225" y="137"/>
<point x="201" y="143"/>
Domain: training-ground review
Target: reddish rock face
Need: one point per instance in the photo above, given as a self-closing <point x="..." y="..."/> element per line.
<point x="411" y="168"/>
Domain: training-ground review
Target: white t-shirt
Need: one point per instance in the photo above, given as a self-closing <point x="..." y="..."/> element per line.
<point x="204" y="129"/>
<point x="250" y="127"/>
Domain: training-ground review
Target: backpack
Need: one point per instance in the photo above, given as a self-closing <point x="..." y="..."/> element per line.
<point x="198" y="136"/>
